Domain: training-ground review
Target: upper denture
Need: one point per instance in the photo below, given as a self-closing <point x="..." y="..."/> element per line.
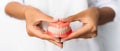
<point x="59" y="29"/>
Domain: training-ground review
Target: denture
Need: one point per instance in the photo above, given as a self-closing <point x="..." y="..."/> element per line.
<point x="59" y="29"/>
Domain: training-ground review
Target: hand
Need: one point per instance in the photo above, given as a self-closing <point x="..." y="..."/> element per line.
<point x="89" y="18"/>
<point x="33" y="25"/>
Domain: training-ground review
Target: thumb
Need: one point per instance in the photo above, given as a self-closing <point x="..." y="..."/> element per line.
<point x="71" y="18"/>
<point x="50" y="20"/>
<point x="85" y="29"/>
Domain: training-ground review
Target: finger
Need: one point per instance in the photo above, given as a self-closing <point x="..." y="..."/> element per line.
<point x="39" y="33"/>
<point x="89" y="35"/>
<point x="59" y="44"/>
<point x="71" y="18"/>
<point x="49" y="19"/>
<point x="94" y="29"/>
<point x="85" y="29"/>
<point x="64" y="20"/>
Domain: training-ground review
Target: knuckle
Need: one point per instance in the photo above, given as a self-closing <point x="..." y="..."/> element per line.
<point x="71" y="18"/>
<point x="90" y="35"/>
<point x="94" y="29"/>
<point x="29" y="32"/>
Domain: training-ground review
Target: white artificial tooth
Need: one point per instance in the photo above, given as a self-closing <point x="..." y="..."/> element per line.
<point x="61" y="29"/>
<point x="62" y="32"/>
<point x="52" y="30"/>
<point x="49" y="29"/>
<point x="55" y="31"/>
<point x="66" y="28"/>
<point x="58" y="30"/>
<point x="59" y="33"/>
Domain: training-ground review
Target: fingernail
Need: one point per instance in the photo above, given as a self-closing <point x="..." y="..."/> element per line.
<point x="62" y="41"/>
<point x="57" y="40"/>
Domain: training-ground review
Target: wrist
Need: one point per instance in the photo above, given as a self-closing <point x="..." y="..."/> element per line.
<point x="93" y="11"/>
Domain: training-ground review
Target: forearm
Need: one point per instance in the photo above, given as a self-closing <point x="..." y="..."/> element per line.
<point x="19" y="11"/>
<point x="106" y="14"/>
<point x="16" y="10"/>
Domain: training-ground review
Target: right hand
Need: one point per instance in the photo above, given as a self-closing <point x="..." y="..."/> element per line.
<point x="89" y="18"/>
<point x="34" y="27"/>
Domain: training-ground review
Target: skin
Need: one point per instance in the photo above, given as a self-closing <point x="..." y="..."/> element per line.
<point x="33" y="18"/>
<point x="90" y="18"/>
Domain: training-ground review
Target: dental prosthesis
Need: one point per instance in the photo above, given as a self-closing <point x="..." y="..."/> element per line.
<point x="59" y="29"/>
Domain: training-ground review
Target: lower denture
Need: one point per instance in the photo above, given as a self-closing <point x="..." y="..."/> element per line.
<point x="58" y="26"/>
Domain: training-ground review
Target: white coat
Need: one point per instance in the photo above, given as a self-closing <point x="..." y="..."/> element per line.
<point x="13" y="35"/>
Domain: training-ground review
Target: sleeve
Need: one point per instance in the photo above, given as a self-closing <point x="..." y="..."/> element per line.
<point x="109" y="3"/>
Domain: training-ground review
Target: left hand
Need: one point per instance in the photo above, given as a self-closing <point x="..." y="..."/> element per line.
<point x="89" y="18"/>
<point x="34" y="19"/>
